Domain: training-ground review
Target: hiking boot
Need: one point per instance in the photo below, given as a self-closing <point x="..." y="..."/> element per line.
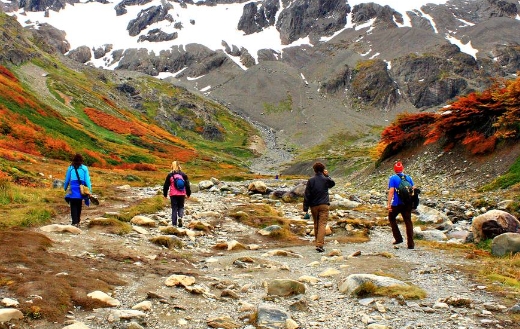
<point x="415" y="212"/>
<point x="180" y="222"/>
<point x="320" y="249"/>
<point x="397" y="242"/>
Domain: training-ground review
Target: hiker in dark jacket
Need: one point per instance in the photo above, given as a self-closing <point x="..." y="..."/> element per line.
<point x="396" y="206"/>
<point x="177" y="196"/>
<point x="317" y="199"/>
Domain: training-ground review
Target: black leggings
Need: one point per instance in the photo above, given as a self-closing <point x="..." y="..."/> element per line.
<point x="75" y="210"/>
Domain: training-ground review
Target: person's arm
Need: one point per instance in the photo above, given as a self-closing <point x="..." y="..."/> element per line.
<point x="67" y="180"/>
<point x="187" y="187"/>
<point x="330" y="181"/>
<point x="166" y="185"/>
<point x="390" y="197"/>
<point x="307" y="196"/>
<point x="87" y="178"/>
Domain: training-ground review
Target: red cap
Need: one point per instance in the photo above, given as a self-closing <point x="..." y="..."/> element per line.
<point x="398" y="167"/>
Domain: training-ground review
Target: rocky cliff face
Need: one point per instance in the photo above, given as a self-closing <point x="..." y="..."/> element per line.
<point x="360" y="59"/>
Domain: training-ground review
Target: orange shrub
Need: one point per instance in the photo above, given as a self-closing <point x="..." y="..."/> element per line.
<point x="137" y="167"/>
<point x="114" y="124"/>
<point x="477" y="143"/>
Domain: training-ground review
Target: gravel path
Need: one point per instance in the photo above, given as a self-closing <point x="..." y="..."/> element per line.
<point x="234" y="281"/>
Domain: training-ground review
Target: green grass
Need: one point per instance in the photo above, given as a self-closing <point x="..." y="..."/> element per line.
<point x="23" y="206"/>
<point x="512" y="177"/>
<point x="145" y="206"/>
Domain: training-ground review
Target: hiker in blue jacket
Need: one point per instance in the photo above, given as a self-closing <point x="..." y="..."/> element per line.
<point x="77" y="173"/>
<point x="396" y="206"/>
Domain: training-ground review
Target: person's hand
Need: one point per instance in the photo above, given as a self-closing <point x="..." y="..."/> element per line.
<point x="325" y="172"/>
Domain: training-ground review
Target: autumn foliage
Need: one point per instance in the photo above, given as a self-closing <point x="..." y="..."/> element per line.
<point x="478" y="121"/>
<point x="113" y="123"/>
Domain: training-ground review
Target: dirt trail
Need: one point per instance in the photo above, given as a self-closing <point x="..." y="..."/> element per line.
<point x="145" y="267"/>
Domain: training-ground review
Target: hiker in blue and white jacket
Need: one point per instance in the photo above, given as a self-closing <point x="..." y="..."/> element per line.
<point x="396" y="207"/>
<point x="77" y="173"/>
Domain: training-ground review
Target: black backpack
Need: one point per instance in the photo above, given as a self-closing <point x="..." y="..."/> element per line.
<point x="405" y="191"/>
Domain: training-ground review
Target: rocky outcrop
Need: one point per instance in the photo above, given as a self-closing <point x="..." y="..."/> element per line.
<point x="43" y="5"/>
<point x="385" y="16"/>
<point x="257" y="16"/>
<point x="16" y="48"/>
<point x="147" y="17"/>
<point x="314" y="18"/>
<point x="156" y="35"/>
<point x="53" y="37"/>
<point x="436" y="77"/>
<point x="121" y="7"/>
<point x="372" y="84"/>
<point x="101" y="51"/>
<point x="81" y="54"/>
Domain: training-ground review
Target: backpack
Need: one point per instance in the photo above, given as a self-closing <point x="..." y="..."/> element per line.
<point x="178" y="182"/>
<point x="405" y="191"/>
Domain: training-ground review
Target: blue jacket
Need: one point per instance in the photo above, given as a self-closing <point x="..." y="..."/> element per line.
<point x="394" y="182"/>
<point x="72" y="179"/>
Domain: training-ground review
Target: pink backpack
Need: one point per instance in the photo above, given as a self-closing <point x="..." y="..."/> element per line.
<point x="177" y="185"/>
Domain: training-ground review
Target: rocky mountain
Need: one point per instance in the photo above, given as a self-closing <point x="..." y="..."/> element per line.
<point x="304" y="69"/>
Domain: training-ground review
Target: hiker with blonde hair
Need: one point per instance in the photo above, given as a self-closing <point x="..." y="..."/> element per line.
<point x="177" y="187"/>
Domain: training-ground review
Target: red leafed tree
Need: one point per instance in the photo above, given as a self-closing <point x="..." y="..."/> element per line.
<point x="508" y="125"/>
<point x="406" y="131"/>
<point x="476" y="112"/>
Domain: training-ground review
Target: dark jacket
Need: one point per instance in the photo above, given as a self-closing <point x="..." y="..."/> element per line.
<point x="167" y="183"/>
<point x="317" y="191"/>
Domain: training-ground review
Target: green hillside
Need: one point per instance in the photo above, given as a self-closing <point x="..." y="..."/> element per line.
<point x="53" y="108"/>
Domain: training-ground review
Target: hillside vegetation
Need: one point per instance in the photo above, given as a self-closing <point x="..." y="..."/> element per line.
<point x="52" y="108"/>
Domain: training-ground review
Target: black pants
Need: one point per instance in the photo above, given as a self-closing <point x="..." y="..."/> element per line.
<point x="75" y="210"/>
<point x="406" y="212"/>
<point x="177" y="202"/>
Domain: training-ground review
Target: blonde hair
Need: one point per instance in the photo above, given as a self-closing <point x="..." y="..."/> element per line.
<point x="176" y="166"/>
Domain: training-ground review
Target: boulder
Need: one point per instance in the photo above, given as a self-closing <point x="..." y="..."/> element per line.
<point x="143" y="221"/>
<point x="285" y="287"/>
<point x="505" y="244"/>
<point x="257" y="187"/>
<point x="8" y="314"/>
<point x="492" y="224"/>
<point x="271" y="317"/>
<point x="101" y="296"/>
<point x="61" y="228"/>
<point x="354" y="281"/>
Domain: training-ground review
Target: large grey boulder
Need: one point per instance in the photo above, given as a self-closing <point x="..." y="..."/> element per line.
<point x="505" y="244"/>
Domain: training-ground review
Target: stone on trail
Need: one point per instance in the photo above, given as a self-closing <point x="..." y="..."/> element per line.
<point x="143" y="221"/>
<point x="179" y="280"/>
<point x="225" y="322"/>
<point x="354" y="281"/>
<point x="285" y="287"/>
<point x="61" y="228"/>
<point x="271" y="317"/>
<point x="77" y="325"/>
<point x="101" y="296"/>
<point x="8" y="314"/>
